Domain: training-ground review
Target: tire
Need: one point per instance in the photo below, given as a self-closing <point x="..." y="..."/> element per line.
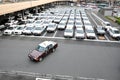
<point x="40" y="59"/>
<point x="53" y="50"/>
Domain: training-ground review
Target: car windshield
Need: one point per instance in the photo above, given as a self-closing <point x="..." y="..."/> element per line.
<point x="46" y="22"/>
<point x="70" y="23"/>
<point x="38" y="28"/>
<point x="10" y="28"/>
<point x="68" y="30"/>
<point x="99" y="28"/>
<point x="29" y="28"/>
<point x="40" y="48"/>
<point x="38" y="22"/>
<point x="78" y="23"/>
<point x="107" y="24"/>
<point x="51" y="26"/>
<point x="20" y="28"/>
<point x="116" y="32"/>
<point x="79" y="31"/>
<point x="90" y="31"/>
<point x="30" y="17"/>
<point x="29" y="21"/>
<point x="61" y="23"/>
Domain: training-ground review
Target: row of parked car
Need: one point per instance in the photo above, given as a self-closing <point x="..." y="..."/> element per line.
<point x="74" y="22"/>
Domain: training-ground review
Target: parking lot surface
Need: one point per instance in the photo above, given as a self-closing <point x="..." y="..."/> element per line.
<point x="73" y="58"/>
<point x="95" y="58"/>
<point x="68" y="15"/>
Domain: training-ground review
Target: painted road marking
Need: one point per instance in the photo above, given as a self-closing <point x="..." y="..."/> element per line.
<point x="72" y="39"/>
<point x="55" y="34"/>
<point x="44" y="33"/>
<point x="39" y="76"/>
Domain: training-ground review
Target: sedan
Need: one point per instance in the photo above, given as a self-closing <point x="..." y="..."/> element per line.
<point x="100" y="31"/>
<point x="79" y="33"/>
<point x="42" y="50"/>
<point x="114" y="33"/>
<point x="9" y="30"/>
<point x="38" y="30"/>
<point x="90" y="33"/>
<point x="28" y="30"/>
<point x="61" y="25"/>
<point x="19" y="30"/>
<point x="51" y="27"/>
<point x="69" y="32"/>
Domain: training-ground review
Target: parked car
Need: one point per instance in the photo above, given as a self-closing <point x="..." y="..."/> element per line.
<point x="38" y="30"/>
<point x="9" y="30"/>
<point x="42" y="50"/>
<point x="106" y="25"/>
<point x="79" y="33"/>
<point x="19" y="30"/>
<point x="100" y="30"/>
<point x="78" y="24"/>
<point x="61" y="25"/>
<point x="90" y="34"/>
<point x="69" y="32"/>
<point x="2" y="27"/>
<point x="28" y="29"/>
<point x="114" y="33"/>
<point x="51" y="27"/>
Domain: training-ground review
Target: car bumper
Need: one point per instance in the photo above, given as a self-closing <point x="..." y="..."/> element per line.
<point x="79" y="37"/>
<point x="91" y="37"/>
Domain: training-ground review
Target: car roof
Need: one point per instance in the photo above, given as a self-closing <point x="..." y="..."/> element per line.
<point x="46" y="43"/>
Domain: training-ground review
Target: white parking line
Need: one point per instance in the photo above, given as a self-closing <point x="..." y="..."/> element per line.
<point x="47" y="76"/>
<point x="107" y="38"/>
<point x="44" y="33"/>
<point x="55" y="34"/>
<point x="62" y="38"/>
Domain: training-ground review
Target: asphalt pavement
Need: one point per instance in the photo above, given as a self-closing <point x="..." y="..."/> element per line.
<point x="88" y="59"/>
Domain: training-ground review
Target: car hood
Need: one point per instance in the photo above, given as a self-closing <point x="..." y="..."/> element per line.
<point x="37" y="31"/>
<point x="61" y="26"/>
<point x="90" y="34"/>
<point x="35" y="54"/>
<point x="51" y="28"/>
<point x="67" y="34"/>
<point x="101" y="31"/>
<point x="78" y="34"/>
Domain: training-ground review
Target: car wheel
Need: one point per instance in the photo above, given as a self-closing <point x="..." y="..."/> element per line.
<point x="40" y="59"/>
<point x="53" y="50"/>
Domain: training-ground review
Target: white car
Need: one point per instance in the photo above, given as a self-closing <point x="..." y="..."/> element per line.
<point x="69" y="32"/>
<point x="90" y="33"/>
<point x="38" y="30"/>
<point x="9" y="30"/>
<point x="28" y="30"/>
<point x="79" y="33"/>
<point x="78" y="24"/>
<point x="37" y="22"/>
<point x="114" y="32"/>
<point x="61" y="25"/>
<point x="19" y="30"/>
<point x="106" y="25"/>
<point x="51" y="27"/>
<point x="70" y="24"/>
<point x="46" y="23"/>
